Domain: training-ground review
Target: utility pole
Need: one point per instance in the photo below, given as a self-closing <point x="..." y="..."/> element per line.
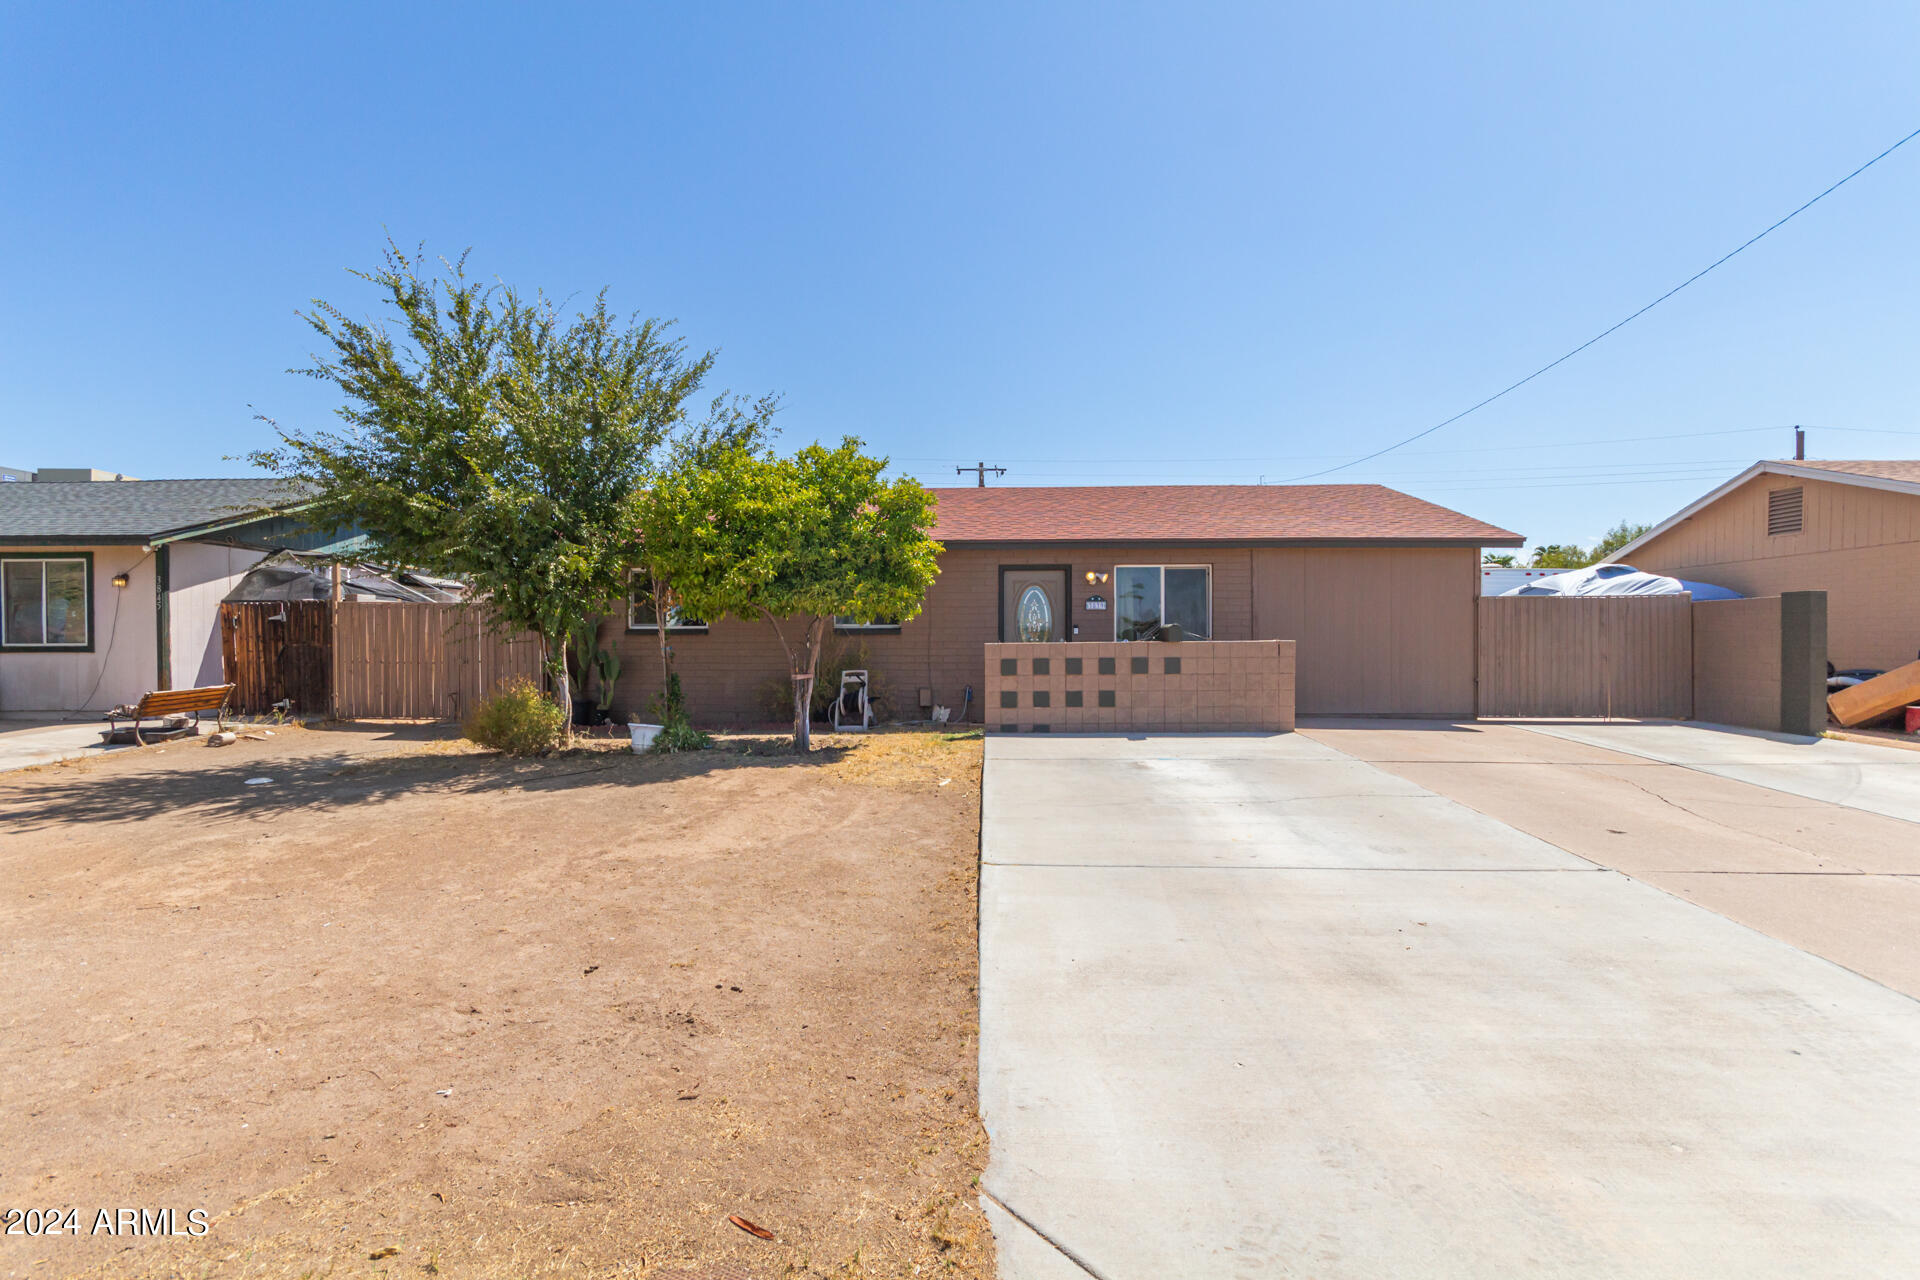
<point x="1799" y="444"/>
<point x="980" y="469"/>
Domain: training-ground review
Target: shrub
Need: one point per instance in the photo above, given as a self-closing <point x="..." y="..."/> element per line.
<point x="519" y="719"/>
<point x="676" y="727"/>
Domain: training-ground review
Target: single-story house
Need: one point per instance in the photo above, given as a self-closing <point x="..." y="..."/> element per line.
<point x="1377" y="587"/>
<point x="1850" y="529"/>
<point x="110" y="587"/>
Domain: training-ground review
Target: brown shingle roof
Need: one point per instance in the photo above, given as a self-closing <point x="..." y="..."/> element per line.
<point x="1204" y="513"/>
<point x="1905" y="469"/>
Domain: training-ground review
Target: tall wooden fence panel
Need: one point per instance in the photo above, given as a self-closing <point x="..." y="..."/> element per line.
<point x="1586" y="656"/>
<point x="422" y="661"/>
<point x="278" y="651"/>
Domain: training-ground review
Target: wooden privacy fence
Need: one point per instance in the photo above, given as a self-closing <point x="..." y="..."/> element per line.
<point x="1586" y="656"/>
<point x="426" y="661"/>
<point x="278" y="651"/>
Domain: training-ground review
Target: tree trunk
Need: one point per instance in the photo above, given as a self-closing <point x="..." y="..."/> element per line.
<point x="563" y="689"/>
<point x="803" y="688"/>
<point x="660" y="630"/>
<point x="802" y="713"/>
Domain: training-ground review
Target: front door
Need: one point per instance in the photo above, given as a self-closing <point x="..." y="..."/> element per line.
<point x="1033" y="605"/>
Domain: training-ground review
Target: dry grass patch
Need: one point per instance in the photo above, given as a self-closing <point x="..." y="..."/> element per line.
<point x="657" y="992"/>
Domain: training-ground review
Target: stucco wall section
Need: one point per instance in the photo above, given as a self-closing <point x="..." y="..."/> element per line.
<point x="1736" y="662"/>
<point x="1381" y="631"/>
<point x="1385" y="630"/>
<point x="1190" y="687"/>
<point x="1861" y="546"/>
<point x="201" y="574"/>
<point x="121" y="666"/>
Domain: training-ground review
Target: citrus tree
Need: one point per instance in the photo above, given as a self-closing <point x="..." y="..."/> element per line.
<point x="795" y="541"/>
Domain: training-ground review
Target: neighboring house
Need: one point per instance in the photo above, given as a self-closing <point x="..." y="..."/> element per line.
<point x="1850" y="529"/>
<point x="1377" y="587"/>
<point x="110" y="588"/>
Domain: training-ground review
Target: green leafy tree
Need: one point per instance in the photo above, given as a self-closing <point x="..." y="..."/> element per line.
<point x="1556" y="555"/>
<point x="1617" y="537"/>
<point x="795" y="541"/>
<point x="1501" y="561"/>
<point x="489" y="438"/>
<point x="1572" y="555"/>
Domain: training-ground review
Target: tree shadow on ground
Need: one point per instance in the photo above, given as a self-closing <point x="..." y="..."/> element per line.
<point x="334" y="780"/>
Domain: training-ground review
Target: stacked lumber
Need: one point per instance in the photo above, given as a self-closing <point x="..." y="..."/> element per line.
<point x="1873" y="698"/>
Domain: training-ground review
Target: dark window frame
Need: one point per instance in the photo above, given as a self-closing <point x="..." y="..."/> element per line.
<point x="875" y="628"/>
<point x="86" y="559"/>
<point x="1162" y="568"/>
<point x="674" y="628"/>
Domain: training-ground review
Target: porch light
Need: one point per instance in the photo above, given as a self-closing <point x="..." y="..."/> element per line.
<point x="1094" y="577"/>
<point x="120" y="579"/>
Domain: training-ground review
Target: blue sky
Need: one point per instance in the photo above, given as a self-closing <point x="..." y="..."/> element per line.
<point x="1120" y="243"/>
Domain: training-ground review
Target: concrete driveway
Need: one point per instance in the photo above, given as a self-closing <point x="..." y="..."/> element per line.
<point x="25" y="743"/>
<point x="1259" y="1006"/>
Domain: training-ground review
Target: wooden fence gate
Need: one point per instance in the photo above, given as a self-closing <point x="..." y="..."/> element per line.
<point x="426" y="661"/>
<point x="1586" y="656"/>
<point x="278" y="651"/>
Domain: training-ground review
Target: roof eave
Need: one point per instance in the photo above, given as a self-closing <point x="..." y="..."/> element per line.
<point x="204" y="527"/>
<point x="1504" y="538"/>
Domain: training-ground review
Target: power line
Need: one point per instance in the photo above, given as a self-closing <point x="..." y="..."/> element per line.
<point x="1619" y="325"/>
<point x="1560" y="471"/>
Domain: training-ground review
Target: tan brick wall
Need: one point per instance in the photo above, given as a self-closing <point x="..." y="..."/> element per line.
<point x="1380" y="630"/>
<point x="1191" y="687"/>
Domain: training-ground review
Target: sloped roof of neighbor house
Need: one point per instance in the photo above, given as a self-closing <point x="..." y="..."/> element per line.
<point x="1323" y="513"/>
<point x="133" y="510"/>
<point x="1904" y="470"/>
<point x="1899" y="475"/>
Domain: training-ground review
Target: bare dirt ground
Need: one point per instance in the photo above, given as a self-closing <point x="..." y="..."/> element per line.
<point x="408" y="1009"/>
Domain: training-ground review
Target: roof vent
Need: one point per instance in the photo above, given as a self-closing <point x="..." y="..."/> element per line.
<point x="1784" y="511"/>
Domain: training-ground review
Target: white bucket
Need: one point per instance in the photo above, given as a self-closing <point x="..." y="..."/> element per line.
<point x="643" y="734"/>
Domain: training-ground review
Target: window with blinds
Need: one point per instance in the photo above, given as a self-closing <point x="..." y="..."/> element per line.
<point x="1783" y="511"/>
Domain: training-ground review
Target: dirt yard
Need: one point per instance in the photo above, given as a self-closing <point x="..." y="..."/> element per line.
<point x="408" y="1009"/>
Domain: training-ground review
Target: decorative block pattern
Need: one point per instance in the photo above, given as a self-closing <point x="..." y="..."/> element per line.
<point x="1196" y="686"/>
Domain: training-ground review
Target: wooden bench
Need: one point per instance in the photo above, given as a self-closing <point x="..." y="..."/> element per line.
<point x="172" y="706"/>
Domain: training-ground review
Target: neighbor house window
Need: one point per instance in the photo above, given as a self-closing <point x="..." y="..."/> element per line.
<point x="641" y="615"/>
<point x="44" y="602"/>
<point x="1150" y="597"/>
<point x="879" y="626"/>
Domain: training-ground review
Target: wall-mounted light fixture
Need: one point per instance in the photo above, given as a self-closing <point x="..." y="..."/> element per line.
<point x="1094" y="577"/>
<point x="120" y="579"/>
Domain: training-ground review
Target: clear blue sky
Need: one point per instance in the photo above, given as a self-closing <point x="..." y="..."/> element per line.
<point x="1087" y="242"/>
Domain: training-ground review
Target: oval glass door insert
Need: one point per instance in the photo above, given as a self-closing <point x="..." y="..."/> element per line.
<point x="1035" y="615"/>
